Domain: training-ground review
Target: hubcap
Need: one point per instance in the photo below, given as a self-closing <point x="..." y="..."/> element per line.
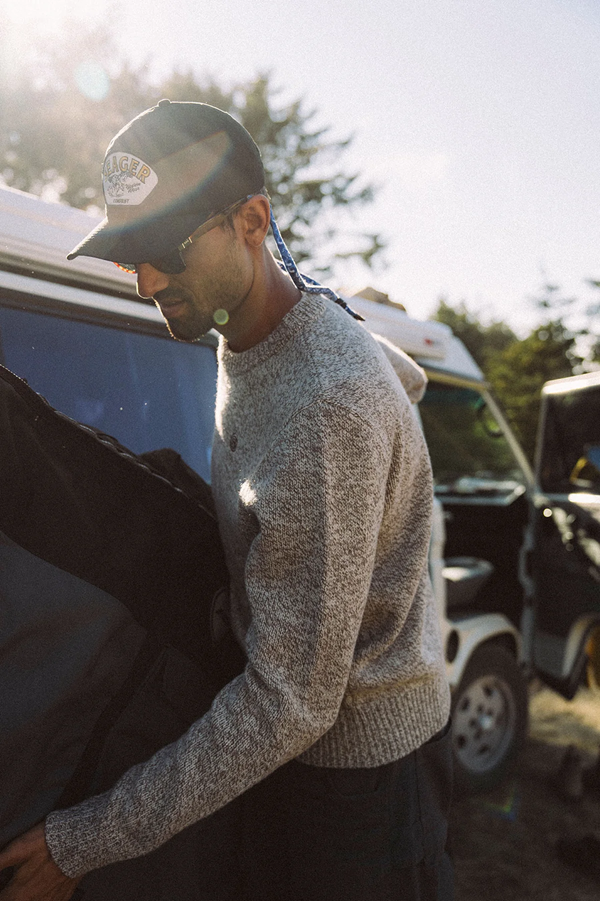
<point x="484" y="724"/>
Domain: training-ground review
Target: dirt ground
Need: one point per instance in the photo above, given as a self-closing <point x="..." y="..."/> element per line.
<point x="503" y="844"/>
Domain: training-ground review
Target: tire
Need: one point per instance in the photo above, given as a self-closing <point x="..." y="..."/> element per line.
<point x="592" y="661"/>
<point x="489" y="720"/>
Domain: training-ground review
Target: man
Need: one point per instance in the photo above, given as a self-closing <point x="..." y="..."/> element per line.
<point x="334" y="740"/>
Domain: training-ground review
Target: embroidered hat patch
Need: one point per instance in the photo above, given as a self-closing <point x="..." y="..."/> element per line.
<point x="127" y="179"/>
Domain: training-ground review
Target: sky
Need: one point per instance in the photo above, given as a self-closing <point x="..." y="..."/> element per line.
<point x="479" y="121"/>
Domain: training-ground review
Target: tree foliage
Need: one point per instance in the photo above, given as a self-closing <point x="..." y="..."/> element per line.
<point x="482" y="341"/>
<point x="62" y="102"/>
<point x="593" y="314"/>
<point x="518" y="372"/>
<point x="517" y="368"/>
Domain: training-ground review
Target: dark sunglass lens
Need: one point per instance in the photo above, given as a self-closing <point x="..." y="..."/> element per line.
<point x="171" y="264"/>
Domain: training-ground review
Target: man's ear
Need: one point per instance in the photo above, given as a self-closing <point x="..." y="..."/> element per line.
<point x="254" y="219"/>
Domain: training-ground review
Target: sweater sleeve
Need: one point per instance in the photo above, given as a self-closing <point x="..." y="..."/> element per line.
<point x="316" y="501"/>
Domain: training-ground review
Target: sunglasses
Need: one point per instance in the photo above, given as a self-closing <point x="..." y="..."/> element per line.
<point x="173" y="262"/>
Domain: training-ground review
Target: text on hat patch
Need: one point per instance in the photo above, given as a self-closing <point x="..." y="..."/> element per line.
<point x="127" y="179"/>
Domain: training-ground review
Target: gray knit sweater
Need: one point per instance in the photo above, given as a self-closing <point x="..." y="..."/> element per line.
<point x="323" y="490"/>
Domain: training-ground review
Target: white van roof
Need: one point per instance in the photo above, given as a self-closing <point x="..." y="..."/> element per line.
<point x="431" y="344"/>
<point x="572" y="383"/>
<point x="36" y="236"/>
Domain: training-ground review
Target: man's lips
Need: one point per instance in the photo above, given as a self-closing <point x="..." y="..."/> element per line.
<point x="169" y="304"/>
<point x="172" y="305"/>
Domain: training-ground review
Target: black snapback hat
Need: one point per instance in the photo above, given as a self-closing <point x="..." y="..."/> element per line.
<point x="165" y="173"/>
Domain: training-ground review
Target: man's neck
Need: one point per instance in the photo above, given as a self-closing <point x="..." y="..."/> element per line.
<point x="269" y="300"/>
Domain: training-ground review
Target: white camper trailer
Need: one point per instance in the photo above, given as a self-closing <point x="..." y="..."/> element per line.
<point x="482" y="482"/>
<point x="81" y="337"/>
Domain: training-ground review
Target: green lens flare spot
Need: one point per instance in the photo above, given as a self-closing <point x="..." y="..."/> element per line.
<point x="221" y="317"/>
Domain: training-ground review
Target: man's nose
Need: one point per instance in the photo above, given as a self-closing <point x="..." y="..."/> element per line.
<point x="150" y="280"/>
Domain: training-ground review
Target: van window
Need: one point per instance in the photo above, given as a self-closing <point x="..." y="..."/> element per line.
<point x="469" y="453"/>
<point x="147" y="391"/>
<point x="571" y="439"/>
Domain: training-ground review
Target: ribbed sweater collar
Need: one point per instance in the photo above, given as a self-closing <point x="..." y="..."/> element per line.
<point x="308" y="310"/>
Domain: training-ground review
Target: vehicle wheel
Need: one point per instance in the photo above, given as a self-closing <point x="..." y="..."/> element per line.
<point x="489" y="719"/>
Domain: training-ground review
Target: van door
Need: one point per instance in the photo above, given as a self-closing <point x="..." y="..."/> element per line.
<point x="565" y="559"/>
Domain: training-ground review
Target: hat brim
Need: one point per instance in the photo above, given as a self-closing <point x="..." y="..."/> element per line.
<point x="137" y="243"/>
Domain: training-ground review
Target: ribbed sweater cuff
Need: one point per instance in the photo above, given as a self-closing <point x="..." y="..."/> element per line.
<point x="383" y="730"/>
<point x="73" y="840"/>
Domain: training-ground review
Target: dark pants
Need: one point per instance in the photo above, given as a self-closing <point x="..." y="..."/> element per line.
<point x="311" y="833"/>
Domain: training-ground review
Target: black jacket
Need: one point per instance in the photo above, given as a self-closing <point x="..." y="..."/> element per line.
<point x="110" y="570"/>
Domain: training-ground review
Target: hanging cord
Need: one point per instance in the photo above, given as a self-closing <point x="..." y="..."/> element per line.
<point x="304" y="282"/>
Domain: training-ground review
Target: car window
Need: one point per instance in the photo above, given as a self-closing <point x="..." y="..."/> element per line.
<point x="469" y="452"/>
<point x="570" y="436"/>
<point x="147" y="391"/>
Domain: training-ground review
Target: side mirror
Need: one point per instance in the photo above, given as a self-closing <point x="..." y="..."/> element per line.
<point x="586" y="472"/>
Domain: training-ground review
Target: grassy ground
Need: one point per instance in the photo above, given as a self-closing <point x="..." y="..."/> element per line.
<point x="504" y="844"/>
